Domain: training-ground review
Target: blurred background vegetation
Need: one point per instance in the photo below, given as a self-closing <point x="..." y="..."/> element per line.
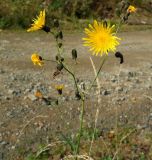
<point x="19" y="13"/>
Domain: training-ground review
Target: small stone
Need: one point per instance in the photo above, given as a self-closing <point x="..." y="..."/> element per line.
<point x="148" y="86"/>
<point x="13" y="147"/>
<point x="32" y="97"/>
<point x="27" y="91"/>
<point x="2" y="71"/>
<point x="3" y="143"/>
<point x="8" y="114"/>
<point x="105" y="92"/>
<point x="13" y="78"/>
<point x="131" y="74"/>
<point x="11" y="91"/>
<point x="119" y="89"/>
<point x="14" y="92"/>
<point x="113" y="79"/>
<point x="7" y="98"/>
<point x="1" y="124"/>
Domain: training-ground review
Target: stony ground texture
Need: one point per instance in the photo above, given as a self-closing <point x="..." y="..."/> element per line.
<point x="26" y="121"/>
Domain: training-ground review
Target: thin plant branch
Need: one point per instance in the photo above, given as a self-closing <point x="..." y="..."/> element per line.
<point x="46" y="148"/>
<point x="116" y="113"/>
<point x="81" y="123"/>
<point x="50" y="60"/>
<point x="150" y="98"/>
<point x="96" y="76"/>
<point x="122" y="139"/>
<point x="72" y="74"/>
<point x="97" y="111"/>
<point x="82" y="157"/>
<point x="24" y="127"/>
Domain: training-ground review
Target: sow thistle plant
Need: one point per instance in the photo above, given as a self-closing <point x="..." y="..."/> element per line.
<point x="101" y="38"/>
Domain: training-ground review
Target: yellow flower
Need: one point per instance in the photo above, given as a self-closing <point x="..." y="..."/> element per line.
<point x="36" y="59"/>
<point x="38" y="23"/>
<point x="59" y="88"/>
<point x="131" y="9"/>
<point x="101" y="38"/>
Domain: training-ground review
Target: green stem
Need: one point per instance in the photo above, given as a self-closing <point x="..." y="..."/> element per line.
<point x="50" y="60"/>
<point x="57" y="43"/>
<point x="101" y="65"/>
<point x="75" y="82"/>
<point x="81" y="124"/>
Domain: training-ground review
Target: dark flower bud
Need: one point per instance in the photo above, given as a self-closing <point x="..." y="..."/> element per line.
<point x="119" y="55"/>
<point x="60" y="45"/>
<point x="57" y="58"/>
<point x="40" y="58"/>
<point x="46" y="29"/>
<point x="59" y="66"/>
<point x="62" y="59"/>
<point x="56" y="23"/>
<point x="56" y="102"/>
<point x="59" y="91"/>
<point x="77" y="95"/>
<point x="74" y="54"/>
<point x="60" y="35"/>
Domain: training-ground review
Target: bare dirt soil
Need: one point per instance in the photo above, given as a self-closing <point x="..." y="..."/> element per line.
<point x="26" y="121"/>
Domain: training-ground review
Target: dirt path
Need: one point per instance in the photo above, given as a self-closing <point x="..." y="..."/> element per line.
<point x="19" y="80"/>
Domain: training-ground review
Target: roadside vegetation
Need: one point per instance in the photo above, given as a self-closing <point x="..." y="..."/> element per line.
<point x="18" y="13"/>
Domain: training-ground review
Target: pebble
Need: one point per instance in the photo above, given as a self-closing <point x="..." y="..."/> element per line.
<point x="113" y="79"/>
<point x="32" y="97"/>
<point x="105" y="92"/>
<point x="2" y="71"/>
<point x="14" y="92"/>
<point x="119" y="89"/>
<point x="10" y="114"/>
<point x="3" y="143"/>
<point x="11" y="91"/>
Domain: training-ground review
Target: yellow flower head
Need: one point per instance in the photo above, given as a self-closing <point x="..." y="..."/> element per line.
<point x="36" y="59"/>
<point x="59" y="88"/>
<point x="101" y="38"/>
<point x="131" y="9"/>
<point x="38" y="23"/>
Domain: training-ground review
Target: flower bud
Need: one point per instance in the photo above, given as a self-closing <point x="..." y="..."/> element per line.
<point x="60" y="35"/>
<point x="59" y="66"/>
<point x="74" y="54"/>
<point x="60" y="45"/>
<point x="57" y="58"/>
<point x="46" y="29"/>
<point x="62" y="59"/>
<point x="119" y="55"/>
<point x="77" y="95"/>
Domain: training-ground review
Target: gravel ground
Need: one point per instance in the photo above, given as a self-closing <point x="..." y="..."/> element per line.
<point x="26" y="121"/>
